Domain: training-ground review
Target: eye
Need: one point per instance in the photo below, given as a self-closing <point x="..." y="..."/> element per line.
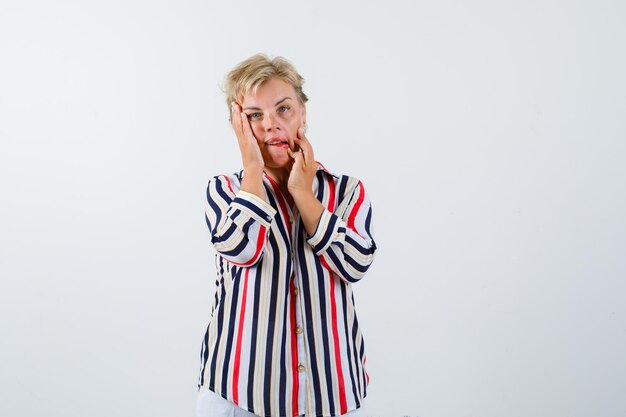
<point x="283" y="109"/>
<point x="254" y="115"/>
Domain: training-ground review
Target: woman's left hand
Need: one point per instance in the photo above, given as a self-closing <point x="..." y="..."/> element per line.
<point x="304" y="167"/>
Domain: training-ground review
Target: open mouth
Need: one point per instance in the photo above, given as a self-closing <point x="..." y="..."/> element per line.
<point x="279" y="143"/>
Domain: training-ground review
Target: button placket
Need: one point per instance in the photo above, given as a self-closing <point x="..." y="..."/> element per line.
<point x="299" y="329"/>
<point x="303" y="403"/>
<point x="292" y="224"/>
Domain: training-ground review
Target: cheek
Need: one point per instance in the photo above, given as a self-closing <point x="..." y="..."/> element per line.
<point x="257" y="129"/>
<point x="292" y="121"/>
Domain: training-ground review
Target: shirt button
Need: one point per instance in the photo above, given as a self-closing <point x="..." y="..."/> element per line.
<point x="291" y="220"/>
<point x="295" y="291"/>
<point x="299" y="330"/>
<point x="301" y="368"/>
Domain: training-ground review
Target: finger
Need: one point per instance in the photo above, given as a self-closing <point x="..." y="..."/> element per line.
<point x="235" y="118"/>
<point x="298" y="158"/>
<point x="246" y="128"/>
<point x="307" y="148"/>
<point x="301" y="134"/>
<point x="292" y="143"/>
<point x="307" y="157"/>
<point x="294" y="154"/>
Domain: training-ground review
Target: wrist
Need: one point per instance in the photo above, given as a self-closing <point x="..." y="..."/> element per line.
<point x="302" y="195"/>
<point x="252" y="182"/>
<point x="253" y="171"/>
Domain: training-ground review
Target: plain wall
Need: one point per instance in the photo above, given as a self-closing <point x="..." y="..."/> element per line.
<point x="491" y="137"/>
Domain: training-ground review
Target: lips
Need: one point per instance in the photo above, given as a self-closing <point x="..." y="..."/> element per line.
<point x="283" y="143"/>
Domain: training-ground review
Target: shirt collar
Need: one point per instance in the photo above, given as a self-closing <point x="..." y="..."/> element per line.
<point x="320" y="166"/>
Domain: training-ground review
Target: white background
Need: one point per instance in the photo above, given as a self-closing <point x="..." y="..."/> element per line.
<point x="491" y="137"/>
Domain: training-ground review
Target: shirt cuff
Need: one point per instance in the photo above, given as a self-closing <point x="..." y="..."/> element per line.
<point x="326" y="229"/>
<point x="255" y="207"/>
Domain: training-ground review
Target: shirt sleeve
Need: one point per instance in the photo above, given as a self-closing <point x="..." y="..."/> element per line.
<point x="343" y="240"/>
<point x="238" y="222"/>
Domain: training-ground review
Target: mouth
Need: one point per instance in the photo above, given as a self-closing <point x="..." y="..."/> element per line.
<point x="281" y="143"/>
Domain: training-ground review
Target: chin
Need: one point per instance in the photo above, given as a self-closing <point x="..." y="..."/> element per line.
<point x="274" y="163"/>
<point x="282" y="160"/>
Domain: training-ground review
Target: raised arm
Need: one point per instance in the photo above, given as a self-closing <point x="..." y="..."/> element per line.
<point x="343" y="239"/>
<point x="238" y="222"/>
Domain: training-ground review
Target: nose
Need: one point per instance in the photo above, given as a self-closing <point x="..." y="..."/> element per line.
<point x="270" y="123"/>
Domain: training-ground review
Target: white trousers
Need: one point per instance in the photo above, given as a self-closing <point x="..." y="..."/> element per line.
<point x="211" y="404"/>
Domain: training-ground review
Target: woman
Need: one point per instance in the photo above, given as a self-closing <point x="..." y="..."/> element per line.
<point x="291" y="238"/>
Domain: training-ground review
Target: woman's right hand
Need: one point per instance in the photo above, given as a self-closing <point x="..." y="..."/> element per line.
<point x="250" y="151"/>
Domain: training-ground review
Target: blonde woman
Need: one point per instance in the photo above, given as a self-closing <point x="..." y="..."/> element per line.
<point x="291" y="238"/>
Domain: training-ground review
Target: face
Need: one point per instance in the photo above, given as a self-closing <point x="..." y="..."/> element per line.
<point x="275" y="115"/>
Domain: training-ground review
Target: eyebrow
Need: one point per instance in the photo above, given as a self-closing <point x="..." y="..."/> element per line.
<point x="277" y="103"/>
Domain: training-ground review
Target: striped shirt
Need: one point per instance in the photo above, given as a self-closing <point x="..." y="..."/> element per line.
<point x="283" y="337"/>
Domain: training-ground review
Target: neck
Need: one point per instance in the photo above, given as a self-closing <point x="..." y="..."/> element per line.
<point x="279" y="175"/>
<point x="281" y="178"/>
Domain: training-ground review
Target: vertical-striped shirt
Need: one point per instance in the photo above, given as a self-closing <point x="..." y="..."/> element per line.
<point x="283" y="311"/>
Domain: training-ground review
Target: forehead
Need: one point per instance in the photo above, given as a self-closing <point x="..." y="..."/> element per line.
<point x="269" y="93"/>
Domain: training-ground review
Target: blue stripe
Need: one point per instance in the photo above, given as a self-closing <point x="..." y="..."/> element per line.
<point x="306" y="292"/>
<point x="343" y="183"/>
<point x="356" y="265"/>
<point x="340" y="269"/>
<point x="254" y="335"/>
<point x="328" y="233"/>
<point x="246" y="226"/>
<point x="229" y="348"/>
<point x="237" y="249"/>
<point x="320" y="186"/>
<point x="220" y="318"/>
<point x="362" y="355"/>
<point x="328" y="359"/>
<point x="282" y="379"/>
<point x="221" y="191"/>
<point x="267" y="386"/>
<point x="368" y="222"/>
<point x="355" y="329"/>
<point x="356" y="245"/>
<point x="253" y="208"/>
<point x="344" y="305"/>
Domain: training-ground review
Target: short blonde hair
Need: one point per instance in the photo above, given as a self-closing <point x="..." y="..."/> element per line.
<point x="253" y="72"/>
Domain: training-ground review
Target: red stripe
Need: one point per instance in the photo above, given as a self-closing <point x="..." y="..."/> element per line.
<point x="366" y="374"/>
<point x="259" y="243"/>
<point x="260" y="238"/>
<point x="294" y="349"/>
<point x="259" y="246"/>
<point x="331" y="197"/>
<point x="242" y="314"/>
<point x="282" y="203"/>
<point x="356" y="207"/>
<point x="228" y="182"/>
<point x="325" y="263"/>
<point x="342" y="388"/>
<point x="323" y="167"/>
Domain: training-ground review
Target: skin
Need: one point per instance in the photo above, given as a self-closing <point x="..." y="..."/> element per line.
<point x="274" y="114"/>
